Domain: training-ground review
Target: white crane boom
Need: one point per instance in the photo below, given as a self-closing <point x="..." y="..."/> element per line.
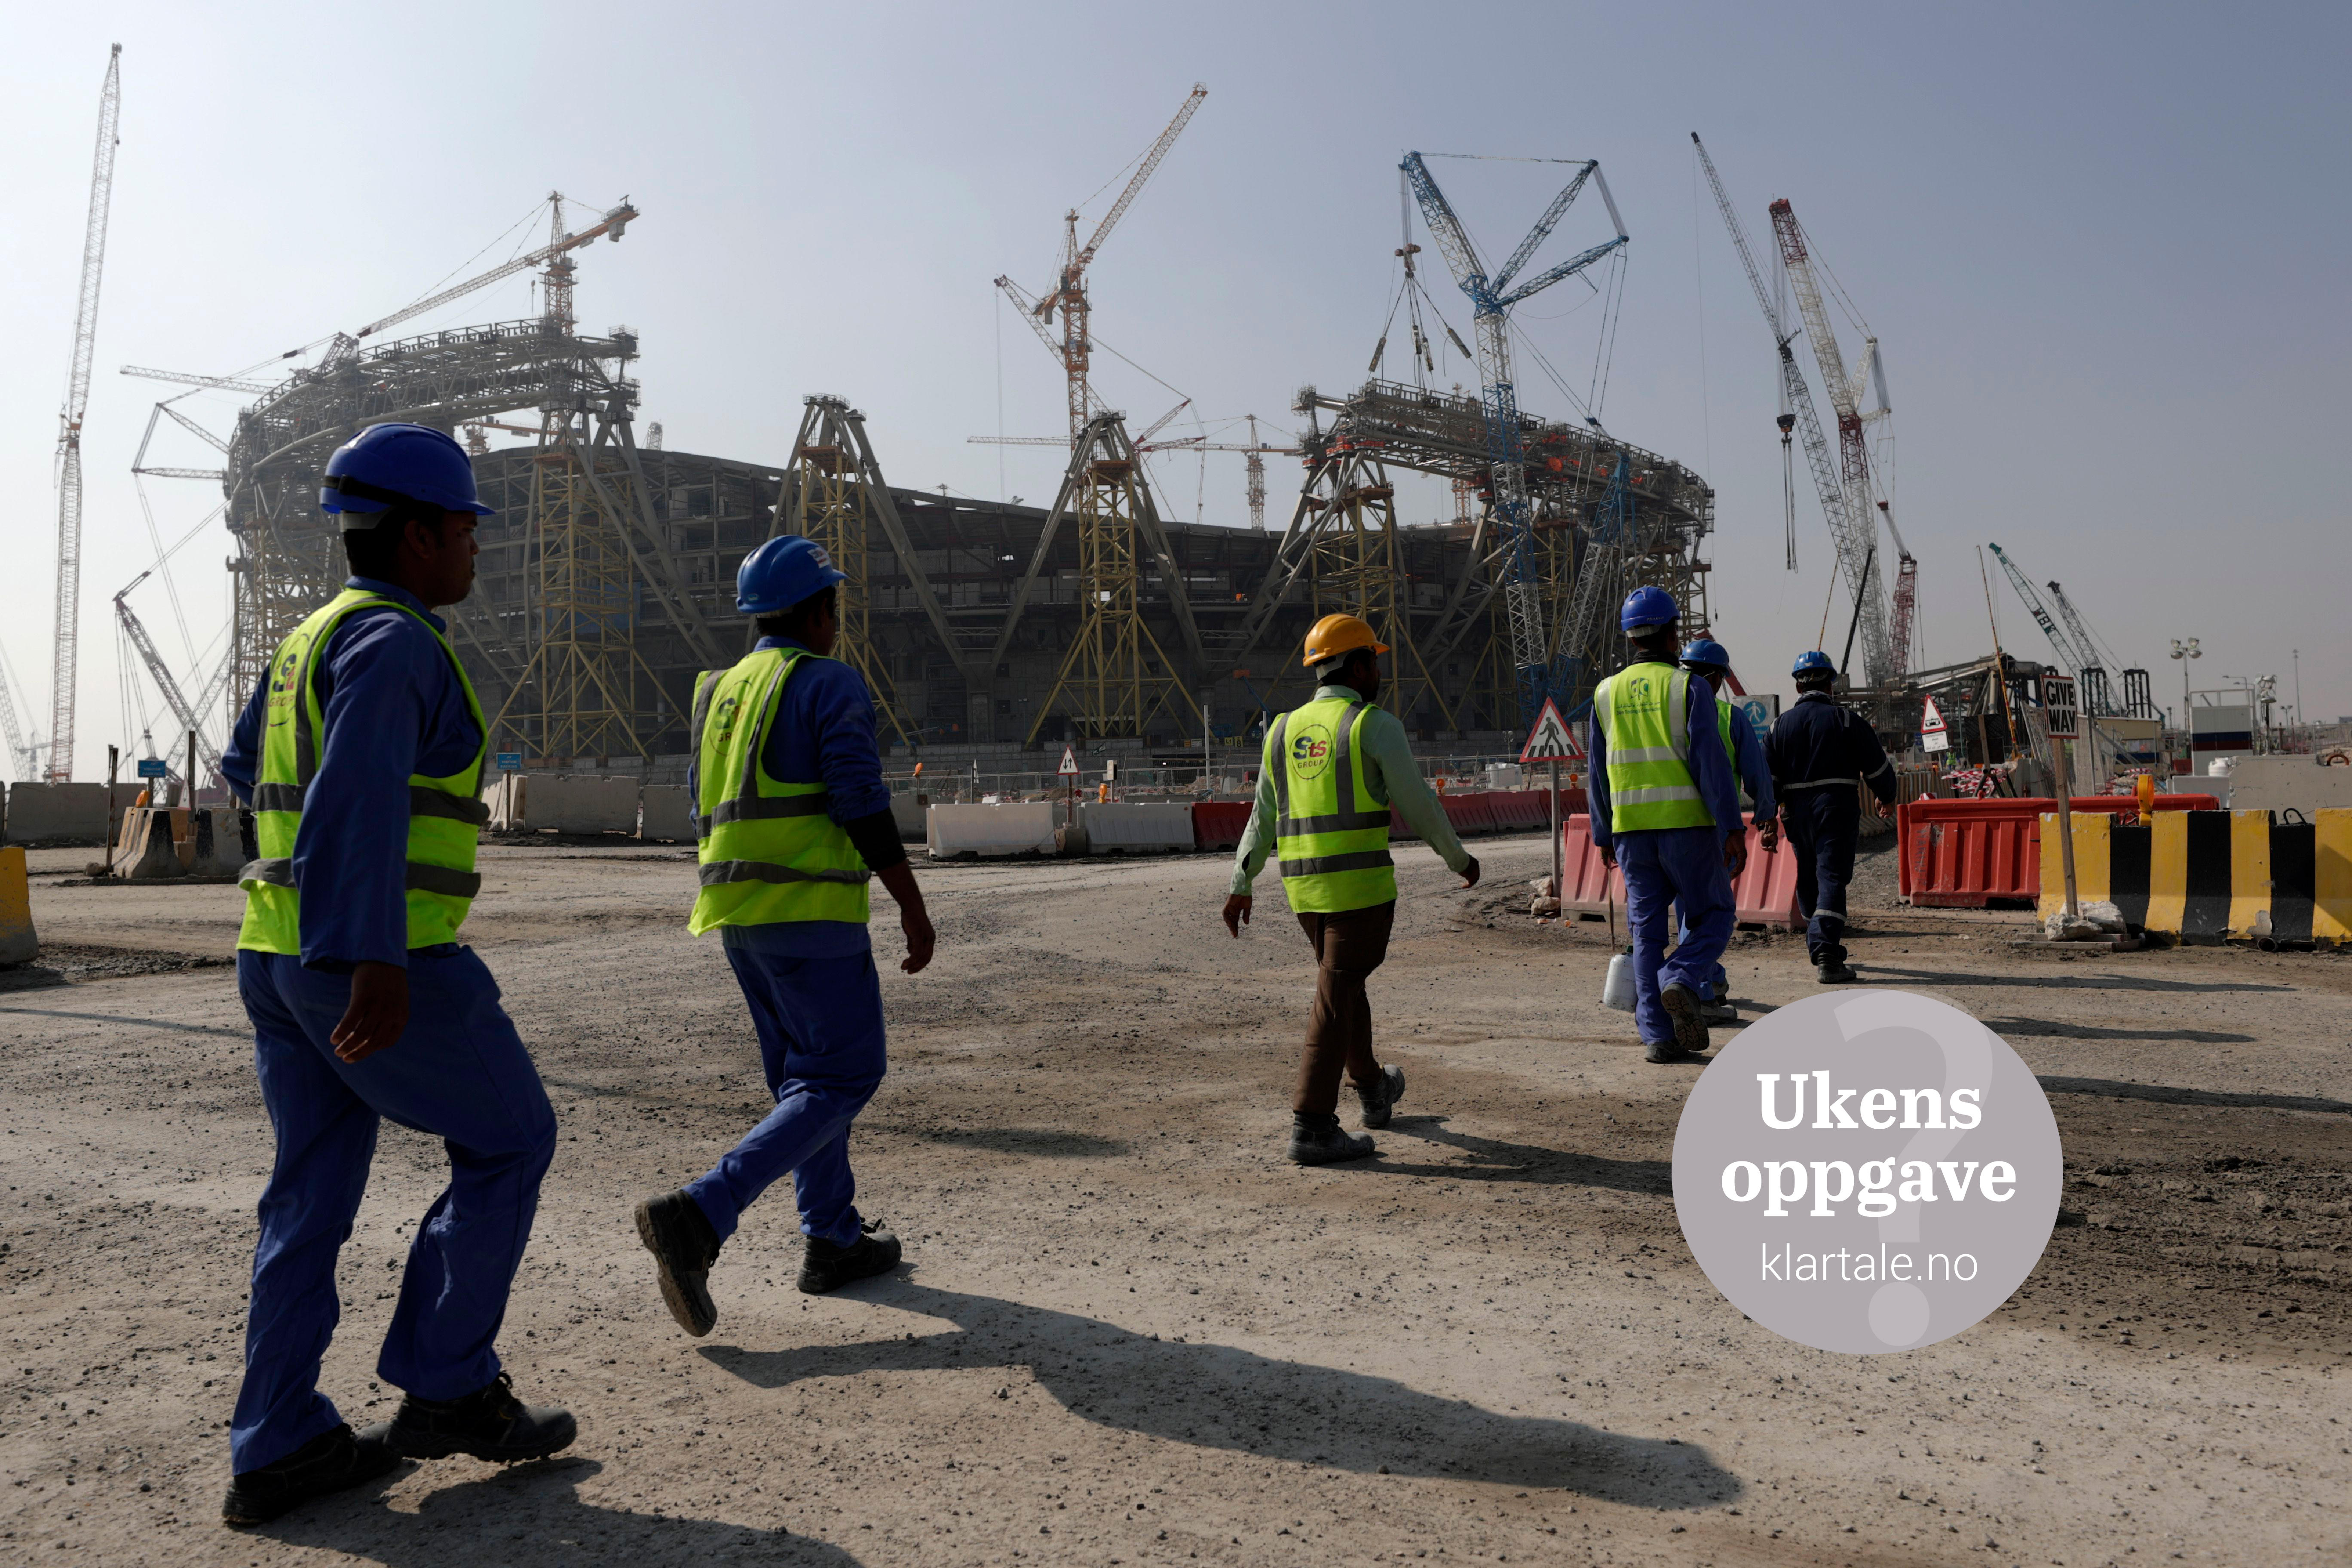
<point x="160" y="674"/>
<point x="65" y="667"/>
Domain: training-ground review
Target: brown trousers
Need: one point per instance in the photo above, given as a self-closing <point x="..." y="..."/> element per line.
<point x="1347" y="947"/>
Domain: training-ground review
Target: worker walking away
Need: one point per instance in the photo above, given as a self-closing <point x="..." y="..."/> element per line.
<point x="1332" y="770"/>
<point x="795" y="822"/>
<point x="1823" y="755"/>
<point x="1665" y="812"/>
<point x="360" y="756"/>
<point x="1711" y="662"/>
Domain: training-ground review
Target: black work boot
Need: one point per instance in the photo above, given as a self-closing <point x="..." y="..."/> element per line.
<point x="677" y="1233"/>
<point x="828" y="1266"/>
<point x="330" y="1462"/>
<point x="1381" y="1096"/>
<point x="1689" y="1016"/>
<point x="489" y="1424"/>
<point x="1319" y="1141"/>
<point x="1830" y="967"/>
<point x="1719" y="1010"/>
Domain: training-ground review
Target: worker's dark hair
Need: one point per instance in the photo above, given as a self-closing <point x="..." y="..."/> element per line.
<point x="1657" y="643"/>
<point x="794" y="620"/>
<point x="1817" y="680"/>
<point x="375" y="551"/>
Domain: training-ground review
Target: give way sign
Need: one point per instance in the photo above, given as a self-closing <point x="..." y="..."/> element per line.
<point x="1550" y="739"/>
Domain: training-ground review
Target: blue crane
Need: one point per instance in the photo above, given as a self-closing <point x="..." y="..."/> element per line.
<point x="1491" y="298"/>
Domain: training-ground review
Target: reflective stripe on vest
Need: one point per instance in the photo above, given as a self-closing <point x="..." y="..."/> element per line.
<point x="768" y="852"/>
<point x="1644" y="711"/>
<point x="444" y="814"/>
<point x="1331" y="837"/>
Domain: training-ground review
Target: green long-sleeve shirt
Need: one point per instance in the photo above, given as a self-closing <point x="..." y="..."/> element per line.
<point x="1390" y="776"/>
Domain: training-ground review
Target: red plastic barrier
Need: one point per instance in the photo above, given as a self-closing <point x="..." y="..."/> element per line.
<point x="1469" y="814"/>
<point x="1963" y="854"/>
<point x="1400" y="830"/>
<point x="1218" y="824"/>
<point x="1764" y="893"/>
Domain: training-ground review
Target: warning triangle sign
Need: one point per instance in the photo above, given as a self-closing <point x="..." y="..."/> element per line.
<point x="1550" y="737"/>
<point x="1931" y="719"/>
<point x="1069" y="768"/>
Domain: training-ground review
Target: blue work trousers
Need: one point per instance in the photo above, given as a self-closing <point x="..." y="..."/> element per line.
<point x="1682" y="867"/>
<point x="1823" y="825"/>
<point x="458" y="1073"/>
<point x="820" y="1027"/>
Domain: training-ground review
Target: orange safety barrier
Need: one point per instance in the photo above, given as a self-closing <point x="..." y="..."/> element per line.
<point x="1218" y="824"/>
<point x="1964" y="854"/>
<point x="1469" y="814"/>
<point x="1764" y="893"/>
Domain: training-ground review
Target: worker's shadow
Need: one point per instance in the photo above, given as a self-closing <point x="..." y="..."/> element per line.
<point x="1216" y="1396"/>
<point x="1493" y="1159"/>
<point x="528" y="1515"/>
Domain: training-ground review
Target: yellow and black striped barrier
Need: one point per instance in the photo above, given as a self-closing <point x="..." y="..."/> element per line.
<point x="2212" y="876"/>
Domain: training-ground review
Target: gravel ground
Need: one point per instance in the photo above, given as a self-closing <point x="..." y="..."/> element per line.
<point x="1126" y="1331"/>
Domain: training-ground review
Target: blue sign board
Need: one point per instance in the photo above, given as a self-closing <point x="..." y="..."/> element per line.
<point x="1761" y="712"/>
<point x="509" y="761"/>
<point x="152" y="768"/>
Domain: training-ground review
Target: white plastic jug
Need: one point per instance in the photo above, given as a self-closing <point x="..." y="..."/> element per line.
<point x="1617" y="991"/>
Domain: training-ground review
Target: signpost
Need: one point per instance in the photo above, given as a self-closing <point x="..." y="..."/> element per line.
<point x="1549" y="741"/>
<point x="2058" y="713"/>
<point x="152" y="768"/>
<point x="1069" y="770"/>
<point x="1933" y="734"/>
<point x="509" y="761"/>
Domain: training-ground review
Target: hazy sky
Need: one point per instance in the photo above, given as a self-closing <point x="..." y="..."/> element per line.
<point x="2102" y="246"/>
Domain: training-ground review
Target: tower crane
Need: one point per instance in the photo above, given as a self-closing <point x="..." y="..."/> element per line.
<point x="22" y="758"/>
<point x="84" y="342"/>
<point x="1883" y="655"/>
<point x="1849" y="532"/>
<point x="1491" y="298"/>
<point x="162" y="674"/>
<point x="1076" y="348"/>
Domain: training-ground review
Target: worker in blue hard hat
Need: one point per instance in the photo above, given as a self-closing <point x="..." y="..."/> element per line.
<point x="794" y="821"/>
<point x="1666" y="811"/>
<point x="361" y="756"/>
<point x="1711" y="662"/>
<point x="1823" y="756"/>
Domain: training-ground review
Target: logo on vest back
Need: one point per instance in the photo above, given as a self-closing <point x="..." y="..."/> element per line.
<point x="1310" y="752"/>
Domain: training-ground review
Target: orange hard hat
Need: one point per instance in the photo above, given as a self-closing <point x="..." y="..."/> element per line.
<point x="1335" y="634"/>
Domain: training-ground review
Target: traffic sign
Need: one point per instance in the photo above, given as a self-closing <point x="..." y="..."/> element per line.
<point x="1761" y="712"/>
<point x="153" y="768"/>
<point x="2058" y="705"/>
<point x="1934" y="733"/>
<point x="509" y="761"/>
<point x="1550" y="741"/>
<point x="1069" y="768"/>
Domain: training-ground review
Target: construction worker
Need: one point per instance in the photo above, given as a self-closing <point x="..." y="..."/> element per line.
<point x="1332" y="769"/>
<point x="1710" y="660"/>
<point x="360" y="756"/>
<point x="1666" y="811"/>
<point x="1821" y="755"/>
<point x="795" y="822"/>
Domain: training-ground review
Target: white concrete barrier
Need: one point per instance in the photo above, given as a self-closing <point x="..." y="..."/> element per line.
<point x="668" y="815"/>
<point x="584" y="803"/>
<point x="2277" y="784"/>
<point x="1023" y="829"/>
<point x="906" y="811"/>
<point x="39" y="813"/>
<point x="1131" y="828"/>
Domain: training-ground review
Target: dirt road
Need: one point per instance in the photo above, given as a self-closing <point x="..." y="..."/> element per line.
<point x="1128" y="1331"/>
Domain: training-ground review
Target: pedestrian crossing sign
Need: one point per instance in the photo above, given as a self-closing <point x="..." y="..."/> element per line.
<point x="1550" y="739"/>
<point x="1069" y="768"/>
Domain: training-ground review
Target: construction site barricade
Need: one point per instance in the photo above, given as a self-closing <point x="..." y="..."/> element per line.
<point x="1469" y="814"/>
<point x="1400" y="830"/>
<point x="1966" y="854"/>
<point x="1763" y="894"/>
<point x="2272" y="879"/>
<point x="1024" y="828"/>
<point x="18" y="942"/>
<point x="150" y="851"/>
<point x="60" y="813"/>
<point x="906" y="814"/>
<point x="666" y="813"/>
<point x="1218" y="824"/>
<point x="1126" y="827"/>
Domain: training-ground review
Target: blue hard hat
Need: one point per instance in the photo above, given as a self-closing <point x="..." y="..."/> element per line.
<point x="1707" y="654"/>
<point x="782" y="573"/>
<point x="385" y="465"/>
<point x="1814" y="663"/>
<point x="1648" y="609"/>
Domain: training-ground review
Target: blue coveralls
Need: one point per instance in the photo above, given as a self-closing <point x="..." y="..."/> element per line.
<point x="1679" y="868"/>
<point x="815" y="998"/>
<point x="392" y="707"/>
<point x="1821" y="755"/>
<point x="1747" y="764"/>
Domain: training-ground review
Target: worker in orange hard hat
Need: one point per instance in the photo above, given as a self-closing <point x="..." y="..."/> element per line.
<point x="1332" y="771"/>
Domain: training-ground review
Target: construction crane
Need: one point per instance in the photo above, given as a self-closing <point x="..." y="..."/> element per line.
<point x="69" y="419"/>
<point x="2096" y="698"/>
<point x="1256" y="451"/>
<point x="2069" y="656"/>
<point x="1076" y="348"/>
<point x="160" y="674"/>
<point x="1883" y="657"/>
<point x="22" y="759"/>
<point x="1491" y="298"/>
